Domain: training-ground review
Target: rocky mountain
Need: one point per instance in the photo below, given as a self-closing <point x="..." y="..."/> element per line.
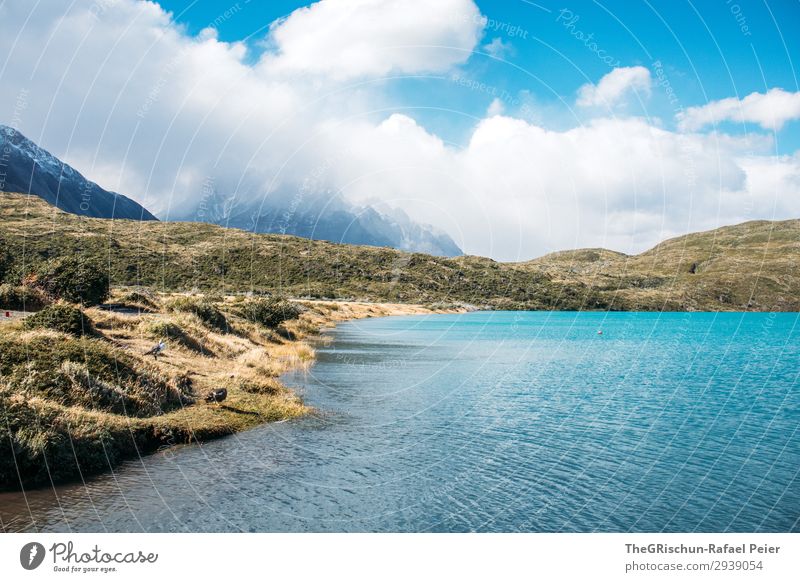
<point x="27" y="168"/>
<point x="325" y="216"/>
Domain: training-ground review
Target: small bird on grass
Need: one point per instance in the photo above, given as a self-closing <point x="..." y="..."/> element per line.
<point x="217" y="395"/>
<point x="156" y="349"/>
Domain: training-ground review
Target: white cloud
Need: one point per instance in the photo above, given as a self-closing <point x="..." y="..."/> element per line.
<point x="519" y="190"/>
<point x="133" y="102"/>
<point x="498" y="48"/>
<point x="770" y="110"/>
<point x="614" y="86"/>
<point x="496" y="107"/>
<point x="354" y="38"/>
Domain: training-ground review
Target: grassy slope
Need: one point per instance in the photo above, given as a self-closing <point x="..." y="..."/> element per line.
<point x="749" y="266"/>
<point x="180" y="256"/>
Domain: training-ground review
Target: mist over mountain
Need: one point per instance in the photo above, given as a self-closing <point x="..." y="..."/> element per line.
<point x="322" y="216"/>
<point x="27" y="168"/>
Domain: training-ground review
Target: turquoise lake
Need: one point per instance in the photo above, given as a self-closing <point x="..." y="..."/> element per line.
<point x="492" y="421"/>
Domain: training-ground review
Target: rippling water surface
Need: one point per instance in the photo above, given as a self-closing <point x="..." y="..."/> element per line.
<point x="492" y="422"/>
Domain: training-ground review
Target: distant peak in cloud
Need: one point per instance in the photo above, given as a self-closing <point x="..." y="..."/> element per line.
<point x="614" y="86"/>
<point x="346" y="39"/>
<point x="770" y="110"/>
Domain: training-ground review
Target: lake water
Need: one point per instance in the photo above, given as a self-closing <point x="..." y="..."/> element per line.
<point x="492" y="422"/>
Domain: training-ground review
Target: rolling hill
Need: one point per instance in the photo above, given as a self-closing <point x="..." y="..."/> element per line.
<point x="752" y="266"/>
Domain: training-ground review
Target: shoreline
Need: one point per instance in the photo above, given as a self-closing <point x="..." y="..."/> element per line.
<point x="248" y="360"/>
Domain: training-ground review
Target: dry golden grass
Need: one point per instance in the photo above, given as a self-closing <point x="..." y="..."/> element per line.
<point x="247" y="360"/>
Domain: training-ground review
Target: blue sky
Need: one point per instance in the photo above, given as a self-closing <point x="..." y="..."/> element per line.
<point x="710" y="50"/>
<point x="517" y="127"/>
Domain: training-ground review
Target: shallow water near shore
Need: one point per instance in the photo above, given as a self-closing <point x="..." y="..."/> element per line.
<point x="491" y="421"/>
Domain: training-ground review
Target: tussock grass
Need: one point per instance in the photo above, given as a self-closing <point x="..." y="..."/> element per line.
<point x="82" y="403"/>
<point x="174" y="333"/>
<point x="141" y="299"/>
<point x="108" y="320"/>
<point x="205" y="310"/>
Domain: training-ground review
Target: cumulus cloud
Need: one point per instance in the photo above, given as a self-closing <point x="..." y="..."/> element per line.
<point x="614" y="86"/>
<point x="520" y="190"/>
<point x="770" y="110"/>
<point x="354" y="38"/>
<point x="121" y="92"/>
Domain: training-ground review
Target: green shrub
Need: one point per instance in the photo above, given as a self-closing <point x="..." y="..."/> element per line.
<point x="5" y="261"/>
<point x="207" y="313"/>
<point x="61" y="317"/>
<point x="21" y="298"/>
<point x="269" y="312"/>
<point x="74" y="279"/>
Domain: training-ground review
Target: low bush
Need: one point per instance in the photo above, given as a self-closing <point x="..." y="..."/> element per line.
<point x="61" y="317"/>
<point x="21" y="298"/>
<point x="269" y="312"/>
<point x="5" y="260"/>
<point x="73" y="279"/>
<point x="203" y="309"/>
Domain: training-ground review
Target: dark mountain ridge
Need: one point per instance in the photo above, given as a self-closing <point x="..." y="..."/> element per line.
<point x="28" y="169"/>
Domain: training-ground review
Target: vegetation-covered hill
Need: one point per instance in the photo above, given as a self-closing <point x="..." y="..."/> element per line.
<point x="749" y="266"/>
<point x="178" y="256"/>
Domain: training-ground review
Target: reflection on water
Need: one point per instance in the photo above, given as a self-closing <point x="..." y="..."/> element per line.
<point x="491" y="422"/>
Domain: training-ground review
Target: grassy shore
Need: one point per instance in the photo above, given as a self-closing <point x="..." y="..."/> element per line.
<point x="76" y="405"/>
